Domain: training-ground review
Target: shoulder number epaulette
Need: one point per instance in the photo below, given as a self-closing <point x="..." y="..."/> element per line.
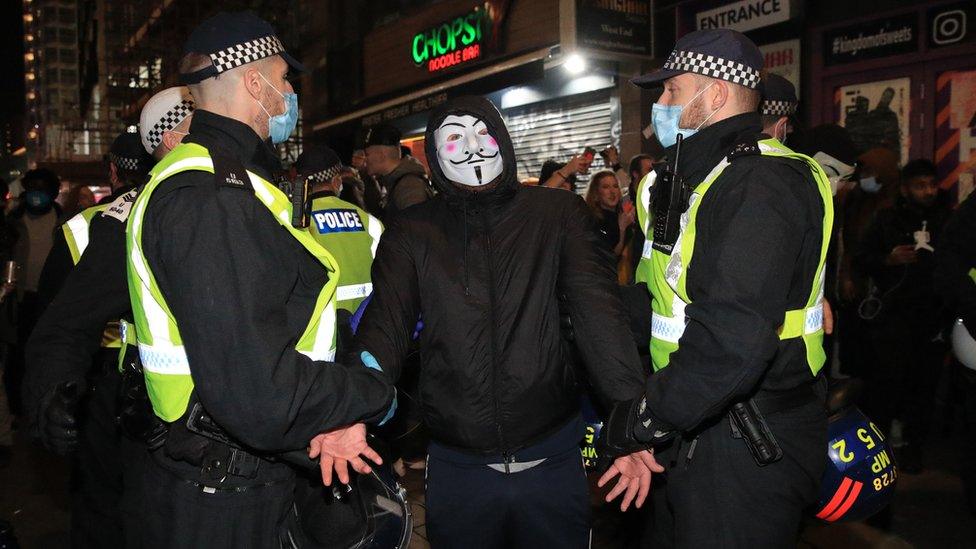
<point x="744" y="148"/>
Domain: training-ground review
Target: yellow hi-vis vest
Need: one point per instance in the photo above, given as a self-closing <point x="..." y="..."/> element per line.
<point x="666" y="274"/>
<point x="76" y="235"/>
<point x="351" y="235"/>
<point x="167" y="370"/>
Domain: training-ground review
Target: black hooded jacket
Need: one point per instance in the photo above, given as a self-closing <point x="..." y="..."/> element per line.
<point x="486" y="271"/>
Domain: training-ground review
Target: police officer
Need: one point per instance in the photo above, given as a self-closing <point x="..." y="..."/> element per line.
<point x="61" y="369"/>
<point x="129" y="166"/>
<point x="235" y="309"/>
<point x="778" y="107"/>
<point x="349" y="233"/>
<point x="736" y="258"/>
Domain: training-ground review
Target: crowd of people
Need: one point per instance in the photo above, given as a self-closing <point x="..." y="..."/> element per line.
<point x="480" y="306"/>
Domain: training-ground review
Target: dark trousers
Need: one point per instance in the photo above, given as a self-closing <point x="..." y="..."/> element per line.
<point x="176" y="513"/>
<point x="720" y="497"/>
<point x="966" y="385"/>
<point x="107" y="465"/>
<point x="472" y="506"/>
<point x="901" y="383"/>
<point x="28" y="312"/>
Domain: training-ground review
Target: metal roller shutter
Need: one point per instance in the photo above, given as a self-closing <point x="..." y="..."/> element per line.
<point x="559" y="129"/>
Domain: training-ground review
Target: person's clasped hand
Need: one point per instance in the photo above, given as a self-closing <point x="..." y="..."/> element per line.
<point x="340" y="448"/>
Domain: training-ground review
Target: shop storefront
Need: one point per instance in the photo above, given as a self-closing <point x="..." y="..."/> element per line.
<point x="905" y="80"/>
<point x="774" y="25"/>
<point x="557" y="70"/>
<point x="901" y="75"/>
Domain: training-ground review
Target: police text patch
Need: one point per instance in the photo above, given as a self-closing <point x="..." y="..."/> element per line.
<point x="337" y="221"/>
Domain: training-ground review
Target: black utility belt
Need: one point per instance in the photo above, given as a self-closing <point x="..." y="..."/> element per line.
<point x="747" y="419"/>
<point x="774" y="402"/>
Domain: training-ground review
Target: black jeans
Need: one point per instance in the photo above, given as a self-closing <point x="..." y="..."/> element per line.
<point x="473" y="506"/>
<point x="720" y="497"/>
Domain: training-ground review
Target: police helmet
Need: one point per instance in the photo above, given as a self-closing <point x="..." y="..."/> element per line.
<point x="963" y="345"/>
<point x="371" y="512"/>
<point x="860" y="477"/>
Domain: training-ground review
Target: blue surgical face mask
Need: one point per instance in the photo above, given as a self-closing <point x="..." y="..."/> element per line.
<point x="281" y="126"/>
<point x="665" y="119"/>
<point x="870" y="184"/>
<point x="37" y="202"/>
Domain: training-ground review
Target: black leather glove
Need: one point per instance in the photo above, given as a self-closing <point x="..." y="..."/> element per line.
<point x="628" y="429"/>
<point x="58" y="420"/>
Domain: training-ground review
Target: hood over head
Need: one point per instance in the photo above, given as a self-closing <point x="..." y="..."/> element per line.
<point x="506" y="182"/>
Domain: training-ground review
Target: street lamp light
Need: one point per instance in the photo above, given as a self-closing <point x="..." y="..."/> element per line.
<point x="575" y="64"/>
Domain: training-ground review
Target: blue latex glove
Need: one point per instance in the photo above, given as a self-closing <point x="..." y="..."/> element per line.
<point x="370" y="362"/>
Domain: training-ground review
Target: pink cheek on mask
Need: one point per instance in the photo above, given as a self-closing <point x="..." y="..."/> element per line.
<point x="492" y="142"/>
<point x="451" y="147"/>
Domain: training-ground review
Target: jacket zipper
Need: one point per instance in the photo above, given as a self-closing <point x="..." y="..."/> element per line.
<point x="491" y="343"/>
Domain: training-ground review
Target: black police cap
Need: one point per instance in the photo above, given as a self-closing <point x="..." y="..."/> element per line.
<point x="384" y="134"/>
<point x="232" y="40"/>
<point x="318" y="162"/>
<point x="779" y="96"/>
<point x="717" y="53"/>
<point x="127" y="153"/>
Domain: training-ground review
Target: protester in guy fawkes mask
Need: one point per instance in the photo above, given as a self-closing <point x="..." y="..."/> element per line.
<point x="486" y="264"/>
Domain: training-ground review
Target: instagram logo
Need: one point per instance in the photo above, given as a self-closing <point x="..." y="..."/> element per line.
<point x="949" y="27"/>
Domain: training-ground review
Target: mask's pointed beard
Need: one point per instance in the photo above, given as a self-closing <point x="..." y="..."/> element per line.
<point x="477" y="173"/>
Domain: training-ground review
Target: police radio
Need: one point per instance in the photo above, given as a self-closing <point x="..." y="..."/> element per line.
<point x="301" y="203"/>
<point x="670" y="201"/>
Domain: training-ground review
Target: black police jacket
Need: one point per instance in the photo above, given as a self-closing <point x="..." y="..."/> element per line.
<point x="485" y="271"/>
<point x="759" y="230"/>
<point x="242" y="290"/>
<point x="83" y="298"/>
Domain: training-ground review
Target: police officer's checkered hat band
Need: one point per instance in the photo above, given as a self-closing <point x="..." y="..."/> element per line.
<point x="325" y="175"/>
<point x="125" y="162"/>
<point x="168" y="121"/>
<point x="778" y="108"/>
<point x="247" y="52"/>
<point x="713" y="67"/>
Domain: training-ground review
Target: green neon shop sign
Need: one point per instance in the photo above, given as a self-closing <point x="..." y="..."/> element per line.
<point x="453" y="42"/>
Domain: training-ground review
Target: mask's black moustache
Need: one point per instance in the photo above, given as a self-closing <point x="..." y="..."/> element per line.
<point x="472" y="155"/>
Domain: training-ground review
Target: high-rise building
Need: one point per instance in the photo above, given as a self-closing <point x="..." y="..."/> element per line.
<point x="90" y="65"/>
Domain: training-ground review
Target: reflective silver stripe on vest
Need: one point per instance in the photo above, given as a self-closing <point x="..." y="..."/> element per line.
<point x="353" y="291"/>
<point x="645" y="200"/>
<point x="814" y="319"/>
<point x="375" y="230"/>
<point x="667" y="328"/>
<point x="79" y="230"/>
<point x="671" y="329"/>
<point x="648" y="249"/>
<point x="164" y="360"/>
